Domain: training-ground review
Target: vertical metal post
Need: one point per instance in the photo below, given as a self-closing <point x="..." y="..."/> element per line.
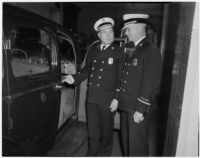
<point x="164" y="29"/>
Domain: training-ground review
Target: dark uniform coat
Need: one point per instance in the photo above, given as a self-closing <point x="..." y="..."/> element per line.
<point x="139" y="84"/>
<point x="103" y="70"/>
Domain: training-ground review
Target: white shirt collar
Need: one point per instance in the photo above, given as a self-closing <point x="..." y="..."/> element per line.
<point x="106" y="46"/>
<point x="136" y="43"/>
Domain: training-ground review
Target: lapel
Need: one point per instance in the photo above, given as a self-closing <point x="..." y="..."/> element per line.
<point x="107" y="52"/>
<point x="138" y="49"/>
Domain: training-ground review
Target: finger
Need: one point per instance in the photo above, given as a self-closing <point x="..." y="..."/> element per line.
<point x="135" y="119"/>
<point x="64" y="80"/>
<point x="66" y="76"/>
<point x="112" y="109"/>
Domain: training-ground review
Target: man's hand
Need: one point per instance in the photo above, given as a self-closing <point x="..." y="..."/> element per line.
<point x="114" y="105"/>
<point x="69" y="79"/>
<point x="138" y="117"/>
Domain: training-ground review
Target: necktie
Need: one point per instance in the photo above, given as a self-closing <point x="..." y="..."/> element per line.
<point x="130" y="46"/>
<point x="103" y="48"/>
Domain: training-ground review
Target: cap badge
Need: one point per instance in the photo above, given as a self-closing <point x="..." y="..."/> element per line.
<point x="141" y="45"/>
<point x="134" y="62"/>
<point x="112" y="48"/>
<point x="110" y="61"/>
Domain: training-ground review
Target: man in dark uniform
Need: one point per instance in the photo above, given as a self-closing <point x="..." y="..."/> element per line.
<point x="139" y="83"/>
<point x="103" y="69"/>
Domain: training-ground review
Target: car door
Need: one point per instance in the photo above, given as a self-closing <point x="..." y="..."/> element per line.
<point x="67" y="50"/>
<point x="33" y="84"/>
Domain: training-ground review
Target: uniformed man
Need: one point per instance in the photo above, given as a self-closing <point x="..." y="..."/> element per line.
<point x="139" y="83"/>
<point x="103" y="69"/>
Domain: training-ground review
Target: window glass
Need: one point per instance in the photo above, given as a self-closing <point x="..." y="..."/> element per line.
<point x="67" y="57"/>
<point x="31" y="51"/>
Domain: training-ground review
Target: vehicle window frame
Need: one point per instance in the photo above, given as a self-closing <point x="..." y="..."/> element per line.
<point x="54" y="51"/>
<point x="64" y="36"/>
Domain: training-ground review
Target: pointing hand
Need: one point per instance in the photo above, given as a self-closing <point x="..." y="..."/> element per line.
<point x="69" y="79"/>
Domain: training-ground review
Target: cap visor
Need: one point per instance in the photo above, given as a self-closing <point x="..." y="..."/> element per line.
<point x="105" y="27"/>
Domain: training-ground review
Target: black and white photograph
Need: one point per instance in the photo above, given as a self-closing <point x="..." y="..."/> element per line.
<point x="100" y="78"/>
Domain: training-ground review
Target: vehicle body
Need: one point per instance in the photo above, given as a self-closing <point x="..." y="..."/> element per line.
<point x="35" y="104"/>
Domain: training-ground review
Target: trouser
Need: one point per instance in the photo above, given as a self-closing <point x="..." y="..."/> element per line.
<point x="100" y="121"/>
<point x="134" y="135"/>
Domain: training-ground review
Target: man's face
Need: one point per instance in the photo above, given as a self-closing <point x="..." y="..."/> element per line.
<point x="131" y="32"/>
<point x="106" y="35"/>
<point x="44" y="37"/>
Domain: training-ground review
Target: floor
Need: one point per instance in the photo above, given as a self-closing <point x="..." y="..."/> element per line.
<point x="72" y="141"/>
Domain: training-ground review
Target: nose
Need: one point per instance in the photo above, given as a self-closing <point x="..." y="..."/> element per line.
<point x="126" y="32"/>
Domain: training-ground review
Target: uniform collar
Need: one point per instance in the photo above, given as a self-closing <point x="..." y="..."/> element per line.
<point x="106" y="46"/>
<point x="112" y="46"/>
<point x="136" y="43"/>
<point x="142" y="43"/>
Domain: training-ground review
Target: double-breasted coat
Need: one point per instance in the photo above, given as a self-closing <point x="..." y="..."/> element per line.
<point x="103" y="70"/>
<point x="139" y="84"/>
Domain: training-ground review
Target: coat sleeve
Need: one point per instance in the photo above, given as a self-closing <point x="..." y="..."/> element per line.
<point x="121" y="60"/>
<point x="150" y="80"/>
<point x="84" y="72"/>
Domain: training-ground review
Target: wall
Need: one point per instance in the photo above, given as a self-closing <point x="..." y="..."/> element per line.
<point x="178" y="49"/>
<point x="189" y="124"/>
<point x="91" y="12"/>
<point x="89" y="15"/>
<point x="47" y="10"/>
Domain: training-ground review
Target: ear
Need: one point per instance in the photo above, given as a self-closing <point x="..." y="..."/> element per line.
<point x="98" y="34"/>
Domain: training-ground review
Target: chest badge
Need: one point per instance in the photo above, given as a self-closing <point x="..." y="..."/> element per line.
<point x="110" y="61"/>
<point x="134" y="62"/>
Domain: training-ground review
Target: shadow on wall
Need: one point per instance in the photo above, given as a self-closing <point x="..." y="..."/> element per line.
<point x="166" y="80"/>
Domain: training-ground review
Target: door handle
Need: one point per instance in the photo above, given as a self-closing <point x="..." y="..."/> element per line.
<point x="57" y="87"/>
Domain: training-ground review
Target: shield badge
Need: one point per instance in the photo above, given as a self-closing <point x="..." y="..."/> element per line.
<point x="110" y="61"/>
<point x="134" y="62"/>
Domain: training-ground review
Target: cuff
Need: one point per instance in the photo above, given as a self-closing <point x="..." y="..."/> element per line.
<point x="117" y="92"/>
<point x="143" y="105"/>
<point x="76" y="77"/>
